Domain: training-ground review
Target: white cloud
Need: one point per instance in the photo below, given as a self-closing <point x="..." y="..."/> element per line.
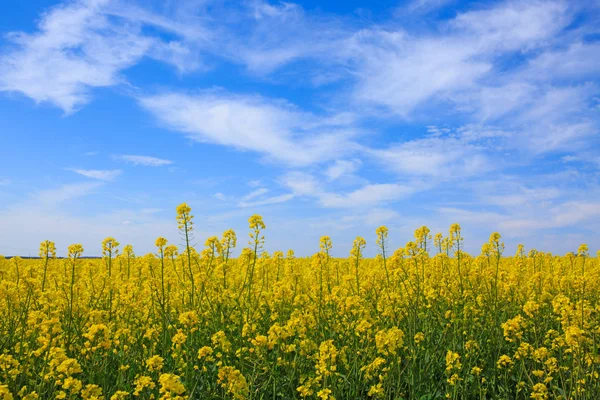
<point x="567" y="214"/>
<point x="255" y="183"/>
<point x="302" y="184"/>
<point x="256" y="198"/>
<point x="516" y="194"/>
<point x="341" y="168"/>
<point x="514" y="25"/>
<point x="78" y="46"/>
<point x="381" y="216"/>
<point x="400" y="71"/>
<point x="570" y="158"/>
<point x="65" y="192"/>
<point x="4" y="181"/>
<point x="267" y="201"/>
<point x="299" y="36"/>
<point x="541" y="119"/>
<point x="520" y="209"/>
<point x="576" y="61"/>
<point x="368" y="195"/>
<point x="423" y="6"/>
<point x="273" y="128"/>
<point x="255" y="193"/>
<point x="103" y="175"/>
<point x="373" y="217"/>
<point x="436" y="157"/>
<point x="220" y="196"/>
<point x="494" y="102"/>
<point x="558" y="119"/>
<point x="144" y="160"/>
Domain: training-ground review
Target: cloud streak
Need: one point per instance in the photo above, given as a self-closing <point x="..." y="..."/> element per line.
<point x="274" y="128"/>
<point x="146" y="161"/>
<point x="102" y="175"/>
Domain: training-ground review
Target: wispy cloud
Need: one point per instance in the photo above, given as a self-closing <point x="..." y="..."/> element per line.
<point x="444" y="153"/>
<point x="341" y="168"/>
<point x="100" y="174"/>
<point x="147" y="161"/>
<point x="4" y="181"/>
<point x="423" y="6"/>
<point x="255" y="193"/>
<point x="65" y="192"/>
<point x="221" y="196"/>
<point x="267" y="201"/>
<point x="401" y="72"/>
<point x="82" y="45"/>
<point x="369" y="195"/>
<point x="274" y="128"/>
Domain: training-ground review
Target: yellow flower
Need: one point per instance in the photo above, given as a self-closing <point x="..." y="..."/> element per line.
<point x="92" y="392"/>
<point x="155" y="363"/>
<point x="219" y="339"/>
<point x="325" y="394"/>
<point x="388" y="341"/>
<point x="142" y="382"/>
<point x="452" y="361"/>
<point x="119" y="395"/>
<point x="357" y="247"/>
<point x="256" y="222"/>
<point x="184" y="217"/>
<point x="504" y="362"/>
<point x="75" y="250"/>
<point x="233" y="382"/>
<point x="574" y="336"/>
<point x="170" y="383"/>
<point x="161" y="242"/>
<point x="69" y="367"/>
<point x="72" y="384"/>
<point x="540" y="392"/>
<point x="304" y="391"/>
<point x="530" y="308"/>
<point x="513" y="328"/>
<point x="371" y="370"/>
<point x="5" y="393"/>
<point x="376" y="391"/>
<point x="179" y="339"/>
<point x="205" y="351"/>
<point x="419" y="337"/>
<point x="109" y="247"/>
<point x="47" y="249"/>
<point x="326" y="363"/>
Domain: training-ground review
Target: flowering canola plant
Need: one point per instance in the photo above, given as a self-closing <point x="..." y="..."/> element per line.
<point x="426" y="321"/>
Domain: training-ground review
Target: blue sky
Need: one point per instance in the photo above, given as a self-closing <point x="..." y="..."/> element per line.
<point x="324" y="117"/>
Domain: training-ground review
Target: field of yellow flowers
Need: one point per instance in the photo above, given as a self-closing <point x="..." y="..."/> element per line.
<point x="426" y="321"/>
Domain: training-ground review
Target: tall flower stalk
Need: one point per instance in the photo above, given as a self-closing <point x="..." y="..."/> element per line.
<point x="186" y="227"/>
<point x="74" y="253"/>
<point x="256" y="242"/>
<point x="382" y="238"/>
<point x="356" y="254"/>
<point x="47" y="251"/>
